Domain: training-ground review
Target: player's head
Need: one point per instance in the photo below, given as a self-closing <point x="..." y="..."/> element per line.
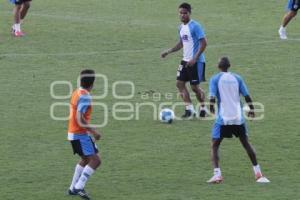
<point x="224" y="64"/>
<point x="185" y="11"/>
<point x="87" y="78"/>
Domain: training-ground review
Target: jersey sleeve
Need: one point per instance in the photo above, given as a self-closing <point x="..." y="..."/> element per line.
<point x="179" y="36"/>
<point x="213" y="87"/>
<point x="83" y="103"/>
<point x="242" y="87"/>
<point x="199" y="32"/>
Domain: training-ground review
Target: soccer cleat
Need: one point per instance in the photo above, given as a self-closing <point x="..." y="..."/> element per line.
<point x="188" y="114"/>
<point x="216" y="179"/>
<point x="282" y="33"/>
<point x="203" y="112"/>
<point x="82" y="193"/>
<point x="19" y="34"/>
<point x="263" y="180"/>
<point x="71" y="192"/>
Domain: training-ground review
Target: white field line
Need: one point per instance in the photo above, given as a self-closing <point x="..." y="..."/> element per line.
<point x="92" y="53"/>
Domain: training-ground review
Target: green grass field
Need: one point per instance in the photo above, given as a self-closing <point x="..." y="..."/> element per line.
<point x="144" y="159"/>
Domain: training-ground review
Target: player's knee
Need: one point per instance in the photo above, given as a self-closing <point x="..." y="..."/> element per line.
<point x="18" y="7"/>
<point x="215" y="145"/>
<point x="96" y="161"/>
<point x="293" y="14"/>
<point x="26" y="5"/>
<point x="179" y="85"/>
<point x="195" y="88"/>
<point x="84" y="161"/>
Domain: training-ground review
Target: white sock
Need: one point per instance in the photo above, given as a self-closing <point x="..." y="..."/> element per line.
<point x="76" y="176"/>
<point x="256" y="169"/>
<point x="190" y="107"/>
<point x="217" y="171"/>
<point x="87" y="172"/>
<point x="17" y="27"/>
<point x="282" y="28"/>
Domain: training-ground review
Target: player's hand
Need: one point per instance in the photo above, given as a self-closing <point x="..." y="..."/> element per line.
<point x="251" y="114"/>
<point x="191" y="62"/>
<point x="97" y="135"/>
<point x="164" y="54"/>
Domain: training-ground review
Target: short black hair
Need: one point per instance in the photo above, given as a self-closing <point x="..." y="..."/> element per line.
<point x="87" y="78"/>
<point x="186" y="6"/>
<point x="224" y="63"/>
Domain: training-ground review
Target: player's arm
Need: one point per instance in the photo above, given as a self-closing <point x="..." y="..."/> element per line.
<point x="83" y="104"/>
<point x="177" y="47"/>
<point x="244" y="91"/>
<point x="251" y="113"/>
<point x="212" y="93"/>
<point x="203" y="45"/>
<point x="83" y="123"/>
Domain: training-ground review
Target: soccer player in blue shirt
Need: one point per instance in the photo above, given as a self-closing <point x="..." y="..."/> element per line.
<point x="292" y="7"/>
<point x="192" y="67"/>
<point x="227" y="87"/>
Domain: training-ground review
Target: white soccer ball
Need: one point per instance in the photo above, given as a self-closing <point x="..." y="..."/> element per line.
<point x="166" y="115"/>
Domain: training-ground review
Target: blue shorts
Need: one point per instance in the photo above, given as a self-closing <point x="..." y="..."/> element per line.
<point x="293" y="5"/>
<point x="83" y="145"/>
<point x="18" y="2"/>
<point x="227" y="131"/>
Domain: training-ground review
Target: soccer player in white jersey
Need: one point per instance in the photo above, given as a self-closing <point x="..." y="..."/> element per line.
<point x="292" y="7"/>
<point x="192" y="67"/>
<point x="227" y="87"/>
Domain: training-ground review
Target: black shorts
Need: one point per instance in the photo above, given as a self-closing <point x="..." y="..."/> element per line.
<point x="19" y="2"/>
<point x="84" y="146"/>
<point x="193" y="74"/>
<point x="227" y="131"/>
<point x="294" y="5"/>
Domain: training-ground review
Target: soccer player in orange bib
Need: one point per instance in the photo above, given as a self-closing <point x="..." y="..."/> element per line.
<point x="79" y="132"/>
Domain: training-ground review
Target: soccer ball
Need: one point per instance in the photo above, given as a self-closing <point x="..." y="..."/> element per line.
<point x="166" y="115"/>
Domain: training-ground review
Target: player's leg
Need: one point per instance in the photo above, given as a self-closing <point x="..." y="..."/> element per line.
<point x="288" y="17"/>
<point x="215" y="144"/>
<point x="91" y="152"/>
<point x="196" y="76"/>
<point x="200" y="95"/>
<point x="17" y="18"/>
<point x="250" y="151"/>
<point x="293" y="6"/>
<point x="185" y="95"/>
<point x="24" y="9"/>
<point x="182" y="78"/>
<point x="77" y="173"/>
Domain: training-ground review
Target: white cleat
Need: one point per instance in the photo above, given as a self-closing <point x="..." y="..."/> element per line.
<point x="216" y="179"/>
<point x="282" y="33"/>
<point x="263" y="180"/>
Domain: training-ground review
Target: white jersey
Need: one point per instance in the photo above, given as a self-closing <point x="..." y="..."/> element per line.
<point x="227" y="87"/>
<point x="190" y="35"/>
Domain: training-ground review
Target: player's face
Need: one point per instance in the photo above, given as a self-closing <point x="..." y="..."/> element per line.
<point x="184" y="15"/>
